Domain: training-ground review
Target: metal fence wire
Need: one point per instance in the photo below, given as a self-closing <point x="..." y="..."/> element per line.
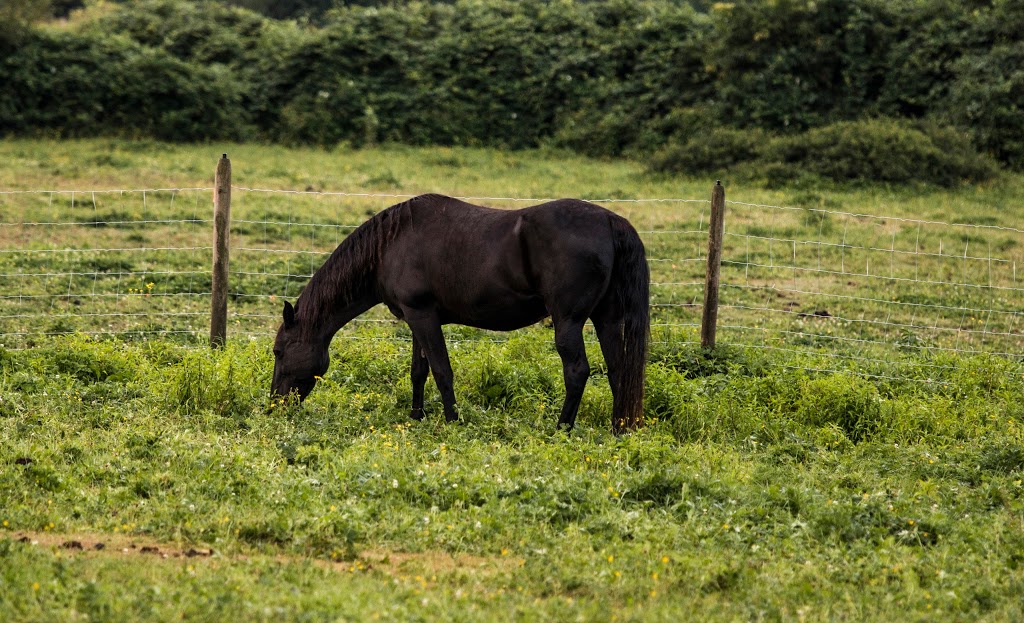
<point x="853" y="288"/>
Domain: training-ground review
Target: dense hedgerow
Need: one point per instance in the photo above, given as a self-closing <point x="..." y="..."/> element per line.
<point x="602" y="78"/>
<point x="71" y="84"/>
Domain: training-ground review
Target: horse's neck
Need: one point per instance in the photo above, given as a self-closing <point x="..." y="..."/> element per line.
<point x="331" y="319"/>
<point x="345" y="284"/>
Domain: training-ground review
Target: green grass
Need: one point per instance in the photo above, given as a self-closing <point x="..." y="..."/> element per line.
<point x="778" y="478"/>
<point x="758" y="493"/>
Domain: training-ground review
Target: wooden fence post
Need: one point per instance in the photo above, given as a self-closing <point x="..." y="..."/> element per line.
<point x="221" y="235"/>
<point x="716" y="231"/>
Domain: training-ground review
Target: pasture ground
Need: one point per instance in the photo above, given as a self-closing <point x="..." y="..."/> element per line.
<point x="763" y="488"/>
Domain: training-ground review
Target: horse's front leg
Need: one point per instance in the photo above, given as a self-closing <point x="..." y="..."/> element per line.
<point x="427" y="334"/>
<point x="419" y="372"/>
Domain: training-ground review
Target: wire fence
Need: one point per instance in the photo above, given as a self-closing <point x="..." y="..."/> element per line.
<point x="90" y="262"/>
<point x="858" y="288"/>
<point x="846" y="288"/>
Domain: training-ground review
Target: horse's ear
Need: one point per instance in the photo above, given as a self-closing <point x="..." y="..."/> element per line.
<point x="289" y="315"/>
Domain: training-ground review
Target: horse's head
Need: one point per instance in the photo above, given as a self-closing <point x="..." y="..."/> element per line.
<point x="298" y="362"/>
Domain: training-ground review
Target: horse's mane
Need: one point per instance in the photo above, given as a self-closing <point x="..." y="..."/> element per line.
<point x="350" y="269"/>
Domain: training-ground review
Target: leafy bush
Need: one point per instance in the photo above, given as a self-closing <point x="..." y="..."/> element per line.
<point x="92" y="361"/>
<point x="79" y="85"/>
<point x="847" y="402"/>
<point x="985" y="99"/>
<point x="885" y="150"/>
<point x="214" y="382"/>
<point x="638" y="74"/>
<point x="247" y="49"/>
<point x="193" y="32"/>
<point x="715" y="150"/>
<point x="16" y="16"/>
<point x="791" y="65"/>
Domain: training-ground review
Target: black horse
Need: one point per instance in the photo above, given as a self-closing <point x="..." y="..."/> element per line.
<point x="435" y="260"/>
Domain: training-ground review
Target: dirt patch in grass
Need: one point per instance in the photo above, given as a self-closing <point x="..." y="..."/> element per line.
<point x="108" y="545"/>
<point x="403" y="565"/>
<point x="433" y="563"/>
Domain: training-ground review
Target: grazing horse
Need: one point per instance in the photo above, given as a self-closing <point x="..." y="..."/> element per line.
<point x="435" y="260"/>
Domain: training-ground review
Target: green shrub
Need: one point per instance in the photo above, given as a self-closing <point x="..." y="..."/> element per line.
<point x="845" y="401"/>
<point x="217" y="382"/>
<point x="91" y="361"/>
<point x="204" y="33"/>
<point x="326" y="118"/>
<point x="80" y="85"/>
<point x="16" y="16"/>
<point x="884" y="150"/>
<point x="715" y="150"/>
<point x="986" y="101"/>
<point x="790" y="65"/>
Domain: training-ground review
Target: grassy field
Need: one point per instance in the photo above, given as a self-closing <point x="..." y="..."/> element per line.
<point x="929" y="270"/>
<point x="143" y="477"/>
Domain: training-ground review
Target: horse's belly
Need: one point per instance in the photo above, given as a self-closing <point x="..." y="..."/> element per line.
<point x="498" y="316"/>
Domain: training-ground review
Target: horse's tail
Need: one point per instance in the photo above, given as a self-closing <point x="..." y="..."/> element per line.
<point x="631" y="280"/>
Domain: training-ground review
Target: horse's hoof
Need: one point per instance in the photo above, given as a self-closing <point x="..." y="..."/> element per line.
<point x="416" y="414"/>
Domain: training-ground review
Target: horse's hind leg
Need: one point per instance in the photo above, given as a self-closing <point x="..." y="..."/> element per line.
<point x="426" y="329"/>
<point x="608" y="326"/>
<point x="575" y="368"/>
<point x="609" y="334"/>
<point x="419" y="371"/>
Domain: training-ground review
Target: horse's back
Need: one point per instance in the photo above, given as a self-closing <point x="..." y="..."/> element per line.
<point x="568" y="233"/>
<point x="556" y="231"/>
<point x="449" y="211"/>
<point x="503" y="268"/>
<point x="464" y="260"/>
